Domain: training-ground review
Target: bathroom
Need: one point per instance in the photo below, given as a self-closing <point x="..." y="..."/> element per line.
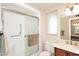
<point x="38" y="29"/>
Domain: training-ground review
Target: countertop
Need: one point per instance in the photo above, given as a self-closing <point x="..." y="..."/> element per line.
<point x="67" y="47"/>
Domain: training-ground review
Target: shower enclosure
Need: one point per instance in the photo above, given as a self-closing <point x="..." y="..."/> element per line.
<point x="21" y="33"/>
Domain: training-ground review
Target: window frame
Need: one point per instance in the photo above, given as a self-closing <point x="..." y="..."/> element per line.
<point x="55" y="11"/>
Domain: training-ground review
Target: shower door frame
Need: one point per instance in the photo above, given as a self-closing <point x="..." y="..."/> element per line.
<point x="21" y="13"/>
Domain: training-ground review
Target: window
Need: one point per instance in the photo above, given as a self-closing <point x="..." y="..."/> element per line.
<point x="52" y="23"/>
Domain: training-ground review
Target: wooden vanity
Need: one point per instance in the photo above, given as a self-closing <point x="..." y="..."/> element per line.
<point x="61" y="52"/>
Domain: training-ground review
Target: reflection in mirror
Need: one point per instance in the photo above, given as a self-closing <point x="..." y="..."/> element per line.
<point x="75" y="29"/>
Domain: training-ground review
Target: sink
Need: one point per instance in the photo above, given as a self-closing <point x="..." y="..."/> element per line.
<point x="68" y="47"/>
<point x="72" y="47"/>
<point x="77" y="47"/>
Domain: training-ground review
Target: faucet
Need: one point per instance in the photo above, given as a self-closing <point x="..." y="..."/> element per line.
<point x="66" y="41"/>
<point x="75" y="44"/>
<point x="71" y="43"/>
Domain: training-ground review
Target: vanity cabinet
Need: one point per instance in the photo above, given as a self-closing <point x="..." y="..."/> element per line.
<point x="61" y="52"/>
<point x="72" y="54"/>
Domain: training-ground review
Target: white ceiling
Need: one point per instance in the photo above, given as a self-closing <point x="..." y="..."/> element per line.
<point x="46" y="6"/>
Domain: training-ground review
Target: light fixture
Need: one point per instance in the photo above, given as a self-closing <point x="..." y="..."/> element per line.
<point x="67" y="11"/>
<point x="76" y="9"/>
<point x="72" y="11"/>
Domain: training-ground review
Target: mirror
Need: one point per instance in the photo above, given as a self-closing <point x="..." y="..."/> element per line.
<point x="75" y="27"/>
<point x="69" y="29"/>
<point x="74" y="23"/>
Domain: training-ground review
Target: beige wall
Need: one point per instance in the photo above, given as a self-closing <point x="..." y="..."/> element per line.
<point x="0" y="15"/>
<point x="43" y="25"/>
<point x="51" y="37"/>
<point x="45" y="36"/>
<point x="54" y="38"/>
<point x="64" y="23"/>
<point x="0" y="19"/>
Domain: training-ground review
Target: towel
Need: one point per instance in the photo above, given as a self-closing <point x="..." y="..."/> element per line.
<point x="32" y="39"/>
<point x="7" y="49"/>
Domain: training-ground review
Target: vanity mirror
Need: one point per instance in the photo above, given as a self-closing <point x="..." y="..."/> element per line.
<point x="74" y="28"/>
<point x="69" y="29"/>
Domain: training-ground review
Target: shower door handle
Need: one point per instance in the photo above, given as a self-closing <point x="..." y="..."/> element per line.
<point x="18" y="35"/>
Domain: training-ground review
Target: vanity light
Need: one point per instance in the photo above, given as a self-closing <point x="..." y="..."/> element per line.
<point x="72" y="11"/>
<point x="76" y="9"/>
<point x="67" y="11"/>
<point x="75" y="24"/>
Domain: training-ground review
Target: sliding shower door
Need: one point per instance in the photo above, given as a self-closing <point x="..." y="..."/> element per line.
<point x="32" y="35"/>
<point x="14" y="31"/>
<point x="21" y="33"/>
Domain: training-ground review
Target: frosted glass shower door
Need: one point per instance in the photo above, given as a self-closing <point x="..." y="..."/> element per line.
<point x="14" y="30"/>
<point x="21" y="33"/>
<point x="32" y="35"/>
